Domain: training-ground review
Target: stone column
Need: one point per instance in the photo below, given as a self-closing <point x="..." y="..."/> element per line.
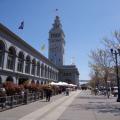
<point x="24" y="64"/>
<point x="5" y="60"/>
<point x="40" y="70"/>
<point x="16" y="64"/>
<point x="30" y="68"/>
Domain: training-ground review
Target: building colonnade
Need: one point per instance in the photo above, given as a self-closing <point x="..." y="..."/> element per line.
<point x="15" y="60"/>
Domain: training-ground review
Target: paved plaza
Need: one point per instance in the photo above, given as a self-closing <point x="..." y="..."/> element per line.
<point x="79" y="105"/>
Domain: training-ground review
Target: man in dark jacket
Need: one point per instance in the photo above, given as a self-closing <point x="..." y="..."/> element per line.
<point x="48" y="94"/>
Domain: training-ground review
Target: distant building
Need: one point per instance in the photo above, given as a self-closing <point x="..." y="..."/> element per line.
<point x="69" y="74"/>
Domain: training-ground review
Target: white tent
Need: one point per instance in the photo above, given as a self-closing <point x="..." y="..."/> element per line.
<point x="53" y="83"/>
<point x="72" y="85"/>
<point x="62" y="84"/>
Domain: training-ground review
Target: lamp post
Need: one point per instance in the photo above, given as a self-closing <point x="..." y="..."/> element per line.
<point x="114" y="52"/>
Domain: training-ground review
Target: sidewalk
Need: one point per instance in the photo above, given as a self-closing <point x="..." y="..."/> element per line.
<point x="79" y="105"/>
<point x="90" y="107"/>
<point x="37" y="110"/>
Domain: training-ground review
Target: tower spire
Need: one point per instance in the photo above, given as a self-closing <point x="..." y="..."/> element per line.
<point x="57" y="23"/>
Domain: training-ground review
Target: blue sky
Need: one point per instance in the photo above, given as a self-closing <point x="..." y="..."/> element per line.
<point x="85" y="23"/>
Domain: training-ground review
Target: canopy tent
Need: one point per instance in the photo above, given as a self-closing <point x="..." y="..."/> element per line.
<point x="53" y="83"/>
<point x="72" y="85"/>
<point x="62" y="84"/>
<point x="59" y="83"/>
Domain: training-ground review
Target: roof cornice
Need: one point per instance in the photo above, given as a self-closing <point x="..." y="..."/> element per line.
<point x="16" y="37"/>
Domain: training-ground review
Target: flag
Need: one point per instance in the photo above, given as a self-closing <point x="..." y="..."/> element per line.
<point x="56" y="9"/>
<point x="43" y="47"/>
<point x="21" y="25"/>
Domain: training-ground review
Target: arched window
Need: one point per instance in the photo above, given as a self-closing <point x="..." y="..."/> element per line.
<point x="2" y="52"/>
<point x="45" y="71"/>
<point x="27" y="65"/>
<point x="42" y="69"/>
<point x="11" y="58"/>
<point x="20" y="62"/>
<point x="37" y="82"/>
<point x="38" y="68"/>
<point x="41" y="82"/>
<point x="33" y="67"/>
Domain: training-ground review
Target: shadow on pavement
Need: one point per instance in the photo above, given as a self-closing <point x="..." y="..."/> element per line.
<point x="98" y="106"/>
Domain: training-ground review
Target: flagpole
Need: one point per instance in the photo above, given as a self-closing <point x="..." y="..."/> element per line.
<point x="56" y="12"/>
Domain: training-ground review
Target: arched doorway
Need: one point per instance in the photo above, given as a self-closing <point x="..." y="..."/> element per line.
<point x="20" y="62"/>
<point x="33" y="67"/>
<point x="11" y="58"/>
<point x="37" y="82"/>
<point x="22" y="80"/>
<point x="38" y="68"/>
<point x="27" y="66"/>
<point x="9" y="78"/>
<point x="41" y="82"/>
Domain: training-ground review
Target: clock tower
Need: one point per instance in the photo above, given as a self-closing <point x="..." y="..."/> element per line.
<point x="56" y="43"/>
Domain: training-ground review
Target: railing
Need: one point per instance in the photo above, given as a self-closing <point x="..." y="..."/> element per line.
<point x="8" y="102"/>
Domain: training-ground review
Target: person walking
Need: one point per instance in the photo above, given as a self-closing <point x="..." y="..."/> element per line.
<point x="48" y="94"/>
<point x="67" y="91"/>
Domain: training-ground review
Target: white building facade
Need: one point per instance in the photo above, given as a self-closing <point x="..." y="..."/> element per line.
<point x="19" y="61"/>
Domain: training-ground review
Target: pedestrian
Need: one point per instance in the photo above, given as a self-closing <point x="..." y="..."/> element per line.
<point x="26" y="96"/>
<point x="22" y="95"/>
<point x="2" y="97"/>
<point x="48" y="94"/>
<point x="67" y="91"/>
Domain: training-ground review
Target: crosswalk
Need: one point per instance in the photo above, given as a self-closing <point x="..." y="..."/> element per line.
<point x="85" y="93"/>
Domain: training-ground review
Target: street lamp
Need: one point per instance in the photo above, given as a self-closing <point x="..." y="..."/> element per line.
<point x="114" y="52"/>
